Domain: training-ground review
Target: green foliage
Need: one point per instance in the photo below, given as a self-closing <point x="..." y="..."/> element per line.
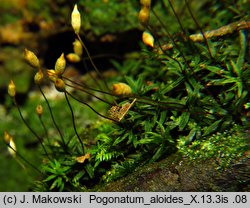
<point x="57" y="174"/>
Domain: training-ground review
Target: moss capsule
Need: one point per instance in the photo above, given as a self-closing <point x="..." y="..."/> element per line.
<point x="60" y="85"/>
<point x="51" y="74"/>
<point x="60" y="65"/>
<point x="144" y="15"/>
<point x="120" y="89"/>
<point x="39" y="110"/>
<point x="76" y="19"/>
<point x="12" y="89"/>
<point x="77" y="46"/>
<point x="73" y="58"/>
<point x="31" y="58"/>
<point x="38" y="78"/>
<point x="148" y="39"/>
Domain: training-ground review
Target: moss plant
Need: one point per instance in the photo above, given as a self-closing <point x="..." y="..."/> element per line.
<point x="183" y="93"/>
<point x="219" y="145"/>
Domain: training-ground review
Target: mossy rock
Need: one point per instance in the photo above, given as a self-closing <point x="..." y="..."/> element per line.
<point x="224" y="165"/>
<point x="176" y="173"/>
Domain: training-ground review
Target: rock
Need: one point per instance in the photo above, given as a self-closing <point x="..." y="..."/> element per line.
<point x="177" y="173"/>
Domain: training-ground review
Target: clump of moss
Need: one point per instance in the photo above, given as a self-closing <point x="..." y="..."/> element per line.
<point x="227" y="147"/>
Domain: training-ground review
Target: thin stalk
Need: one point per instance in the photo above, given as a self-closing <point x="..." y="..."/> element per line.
<point x="197" y="24"/>
<point x="87" y="87"/>
<point x="92" y="62"/>
<point x="73" y="120"/>
<point x="90" y="74"/>
<point x="30" y="164"/>
<point x="110" y="55"/>
<point x="83" y="90"/>
<point x="154" y="34"/>
<point x="91" y="108"/>
<point x="177" y="18"/>
<point x="162" y="104"/>
<point x="44" y="128"/>
<point x="29" y="127"/>
<point x="170" y="37"/>
<point x="52" y="117"/>
<point x="181" y="26"/>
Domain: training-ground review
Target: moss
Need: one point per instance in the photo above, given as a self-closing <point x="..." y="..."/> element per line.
<point x="226" y="147"/>
<point x="178" y="173"/>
